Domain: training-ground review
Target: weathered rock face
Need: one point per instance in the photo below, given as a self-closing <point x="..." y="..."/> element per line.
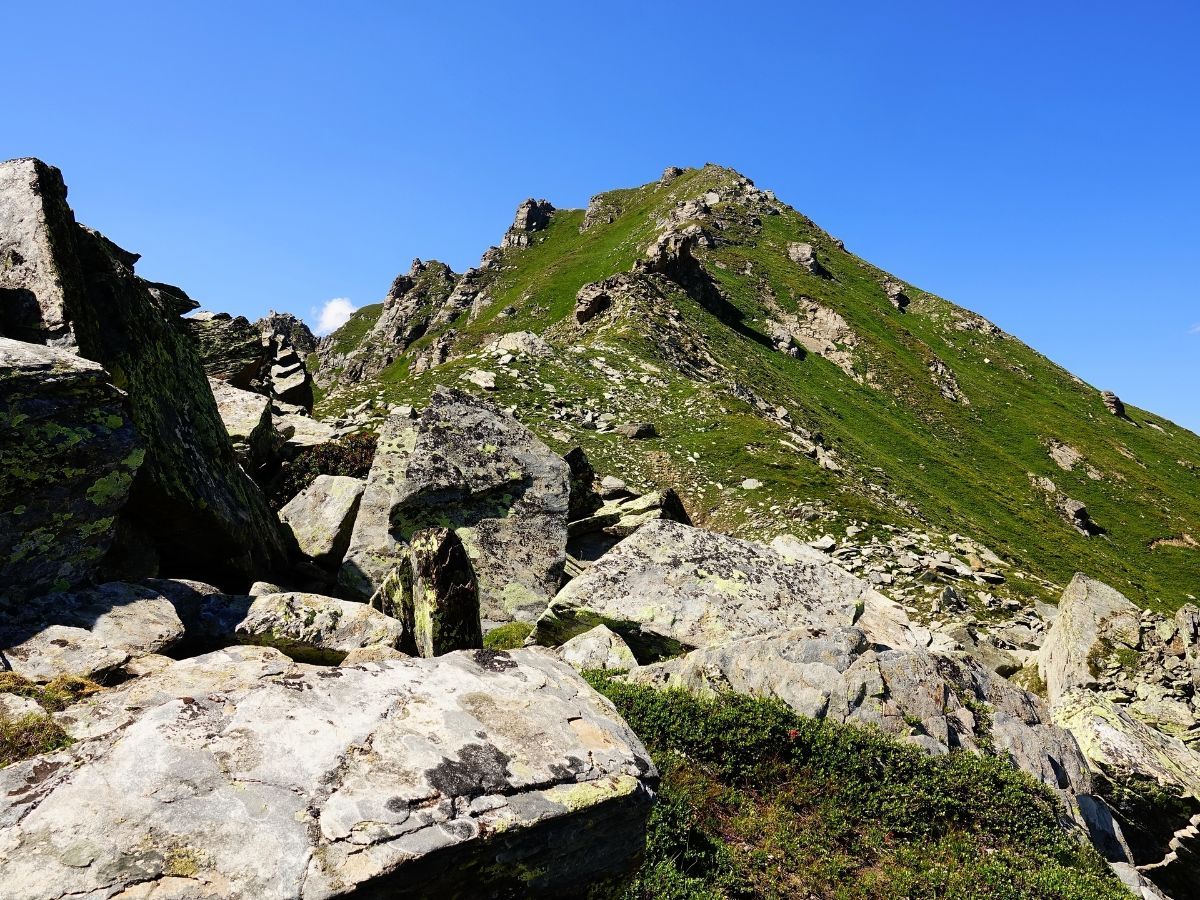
<point x="466" y="465"/>
<point x="68" y="451"/>
<point x="247" y="420"/>
<point x="39" y="277"/>
<point x="87" y="632"/>
<point x="445" y="595"/>
<point x="1093" y="619"/>
<point x="488" y="774"/>
<point x="532" y="215"/>
<point x="411" y="303"/>
<point x="289" y="379"/>
<point x="321" y="517"/>
<point x="895" y="293"/>
<point x="205" y="515"/>
<point x="231" y="349"/>
<point x="313" y="628"/>
<point x="670" y="587"/>
<point x="297" y="334"/>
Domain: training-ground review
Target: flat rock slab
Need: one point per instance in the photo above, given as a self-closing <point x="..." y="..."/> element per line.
<point x="87" y="632"/>
<point x="670" y="587"/>
<point x="241" y="774"/>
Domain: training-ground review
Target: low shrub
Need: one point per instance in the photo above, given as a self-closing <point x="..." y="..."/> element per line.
<point x="757" y="801"/>
<point x="351" y="455"/>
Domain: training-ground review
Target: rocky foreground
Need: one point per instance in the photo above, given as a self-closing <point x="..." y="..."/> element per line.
<point x="280" y="681"/>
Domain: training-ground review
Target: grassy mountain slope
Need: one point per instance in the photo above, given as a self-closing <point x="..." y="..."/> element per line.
<point x="927" y="418"/>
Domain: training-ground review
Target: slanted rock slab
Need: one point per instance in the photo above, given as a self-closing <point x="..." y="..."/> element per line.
<point x="405" y="779"/>
<point x="321" y="517"/>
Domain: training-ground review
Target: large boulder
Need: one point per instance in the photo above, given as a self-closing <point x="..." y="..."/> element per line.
<point x="203" y="512"/>
<point x="86" y="633"/>
<point x="1092" y="620"/>
<point x="670" y="587"/>
<point x="466" y="465"/>
<point x="321" y="517"/>
<point x="476" y="774"/>
<point x="69" y="453"/>
<point x="313" y="628"/>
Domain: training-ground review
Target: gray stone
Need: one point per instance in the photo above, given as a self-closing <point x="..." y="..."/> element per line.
<point x="321" y="517"/>
<point x="466" y="465"/>
<point x="410" y="778"/>
<point x="599" y="648"/>
<point x="313" y="628"/>
<point x="445" y="595"/>
<point x="532" y="215"/>
<point x="193" y="500"/>
<point x="70" y="453"/>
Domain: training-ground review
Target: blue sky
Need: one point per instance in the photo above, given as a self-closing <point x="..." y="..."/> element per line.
<point x="1034" y="162"/>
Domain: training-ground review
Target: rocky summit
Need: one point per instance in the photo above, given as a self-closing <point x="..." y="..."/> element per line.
<point x="672" y="551"/>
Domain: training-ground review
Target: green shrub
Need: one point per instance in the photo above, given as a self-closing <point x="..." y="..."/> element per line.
<point x="29" y="735"/>
<point x="757" y="801"/>
<point x="507" y="637"/>
<point x="351" y="455"/>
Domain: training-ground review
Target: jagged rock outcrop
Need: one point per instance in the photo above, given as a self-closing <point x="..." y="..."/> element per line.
<point x="946" y="382"/>
<point x="805" y="257"/>
<point x="230" y="348"/>
<point x="68" y="453"/>
<point x="289" y="382"/>
<point x="896" y="294"/>
<point x="466" y="465"/>
<point x="504" y="772"/>
<point x="670" y="588"/>
<point x="408" y="310"/>
<point x="532" y="215"/>
<point x="202" y="512"/>
<point x="321" y="517"/>
<point x="296" y="332"/>
<point x="1113" y="404"/>
<point x="39" y="276"/>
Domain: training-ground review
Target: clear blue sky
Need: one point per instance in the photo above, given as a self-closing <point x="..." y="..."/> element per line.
<point x="1036" y="162"/>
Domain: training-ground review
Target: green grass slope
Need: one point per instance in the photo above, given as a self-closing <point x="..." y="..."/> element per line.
<point x="908" y="456"/>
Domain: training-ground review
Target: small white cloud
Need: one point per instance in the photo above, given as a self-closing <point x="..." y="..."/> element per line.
<point x="334" y="314"/>
<point x="1195" y="329"/>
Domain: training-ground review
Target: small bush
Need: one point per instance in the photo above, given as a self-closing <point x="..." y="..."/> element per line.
<point x="757" y="801"/>
<point x="57" y="695"/>
<point x="29" y="735"/>
<point x="351" y="455"/>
